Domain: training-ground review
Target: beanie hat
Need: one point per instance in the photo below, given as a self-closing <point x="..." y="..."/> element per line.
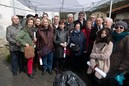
<point x="121" y="23"/>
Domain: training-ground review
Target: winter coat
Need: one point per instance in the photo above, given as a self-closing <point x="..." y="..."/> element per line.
<point x="61" y="36"/>
<point x="120" y="56"/>
<point x="69" y="26"/>
<point x="81" y="25"/>
<point x="11" y="33"/>
<point x="94" y="32"/>
<point x="24" y="37"/>
<point x="78" y="39"/>
<point x="54" y="27"/>
<point x="89" y="41"/>
<point x="45" y="41"/>
<point x="101" y="56"/>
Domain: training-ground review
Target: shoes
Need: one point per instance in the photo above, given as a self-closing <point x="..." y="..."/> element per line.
<point x="22" y="71"/>
<point x="31" y="76"/>
<point x="50" y="72"/>
<point x="44" y="71"/>
<point x="14" y="73"/>
<point x="58" y="72"/>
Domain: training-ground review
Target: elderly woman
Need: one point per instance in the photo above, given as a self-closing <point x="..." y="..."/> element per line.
<point x="120" y="56"/>
<point x="26" y="38"/>
<point x="77" y="47"/>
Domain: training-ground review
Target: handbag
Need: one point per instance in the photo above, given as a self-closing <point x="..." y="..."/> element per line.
<point x="29" y="52"/>
<point x="76" y="48"/>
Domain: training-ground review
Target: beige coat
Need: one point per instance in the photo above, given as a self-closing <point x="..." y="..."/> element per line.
<point x="101" y="56"/>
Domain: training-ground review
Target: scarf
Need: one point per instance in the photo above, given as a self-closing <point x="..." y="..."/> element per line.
<point x="117" y="37"/>
<point x="30" y="30"/>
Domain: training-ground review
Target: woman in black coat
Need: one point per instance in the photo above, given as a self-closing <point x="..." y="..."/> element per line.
<point x="61" y="41"/>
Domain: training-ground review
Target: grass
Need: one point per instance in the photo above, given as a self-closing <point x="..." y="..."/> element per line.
<point x="8" y="58"/>
<point x="4" y="53"/>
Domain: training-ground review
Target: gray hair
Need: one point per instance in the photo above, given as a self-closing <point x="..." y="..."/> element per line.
<point x="70" y="15"/>
<point x="109" y="19"/>
<point x="14" y="17"/>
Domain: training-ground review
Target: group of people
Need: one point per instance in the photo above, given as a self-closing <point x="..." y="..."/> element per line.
<point x="71" y="43"/>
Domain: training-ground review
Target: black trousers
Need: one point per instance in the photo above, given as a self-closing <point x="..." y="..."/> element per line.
<point x="17" y="61"/>
<point x="60" y="64"/>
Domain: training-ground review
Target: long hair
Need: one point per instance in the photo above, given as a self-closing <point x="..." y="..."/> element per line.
<point x="106" y="39"/>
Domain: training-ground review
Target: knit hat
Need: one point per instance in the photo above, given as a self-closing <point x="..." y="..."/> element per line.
<point x="121" y="23"/>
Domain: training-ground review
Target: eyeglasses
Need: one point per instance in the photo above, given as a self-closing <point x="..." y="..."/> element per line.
<point x="119" y="27"/>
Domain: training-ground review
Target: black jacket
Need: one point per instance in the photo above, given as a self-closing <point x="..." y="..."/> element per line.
<point x="61" y="36"/>
<point x="81" y="25"/>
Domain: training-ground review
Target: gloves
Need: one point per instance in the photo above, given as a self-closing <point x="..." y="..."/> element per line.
<point x="93" y="63"/>
<point x="120" y="78"/>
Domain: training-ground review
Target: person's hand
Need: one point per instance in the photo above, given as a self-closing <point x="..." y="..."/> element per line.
<point x="35" y="40"/>
<point x="27" y="45"/>
<point x="72" y="44"/>
<point x="18" y="44"/>
<point x="121" y="69"/>
<point x="92" y="63"/>
<point x="84" y="51"/>
<point x="92" y="55"/>
<point x="63" y="45"/>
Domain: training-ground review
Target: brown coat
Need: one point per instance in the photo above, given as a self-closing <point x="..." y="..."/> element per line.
<point x="120" y="57"/>
<point x="45" y="39"/>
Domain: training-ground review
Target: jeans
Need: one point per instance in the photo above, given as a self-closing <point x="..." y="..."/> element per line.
<point x="17" y="60"/>
<point x="48" y="61"/>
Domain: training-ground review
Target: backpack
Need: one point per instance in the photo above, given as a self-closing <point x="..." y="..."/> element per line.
<point x="68" y="78"/>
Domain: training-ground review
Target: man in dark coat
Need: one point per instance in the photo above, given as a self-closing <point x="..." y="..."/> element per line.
<point x="98" y="27"/>
<point x="81" y="20"/>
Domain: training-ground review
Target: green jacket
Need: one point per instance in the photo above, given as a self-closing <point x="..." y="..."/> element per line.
<point x="23" y="37"/>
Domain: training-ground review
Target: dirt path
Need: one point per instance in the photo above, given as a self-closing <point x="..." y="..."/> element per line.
<point x="6" y="78"/>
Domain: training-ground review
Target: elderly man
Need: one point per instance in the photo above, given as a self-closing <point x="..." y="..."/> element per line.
<point x="98" y="27"/>
<point x="69" y="24"/>
<point x="99" y="24"/>
<point x="14" y="46"/>
<point x="108" y="23"/>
